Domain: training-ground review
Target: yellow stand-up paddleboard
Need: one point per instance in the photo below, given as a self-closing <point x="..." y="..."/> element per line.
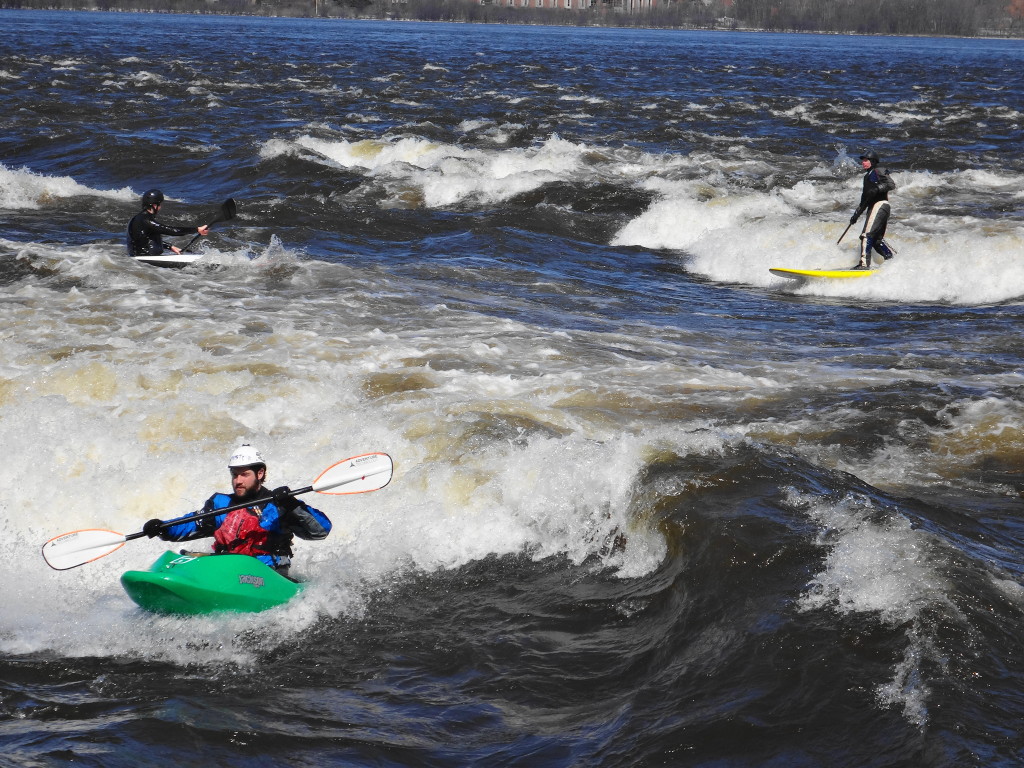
<point x="799" y="274"/>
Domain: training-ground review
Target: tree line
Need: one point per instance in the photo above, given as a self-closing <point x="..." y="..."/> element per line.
<point x="964" y="18"/>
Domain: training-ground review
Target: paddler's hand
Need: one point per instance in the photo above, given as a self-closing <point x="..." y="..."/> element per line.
<point x="853" y="219"/>
<point x="203" y="230"/>
<point x="284" y="500"/>
<point x="153" y="528"/>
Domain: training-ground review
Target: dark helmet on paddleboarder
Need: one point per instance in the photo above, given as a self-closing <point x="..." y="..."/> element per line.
<point x="871" y="156"/>
<point x="246" y="456"/>
<point x="152" y="197"/>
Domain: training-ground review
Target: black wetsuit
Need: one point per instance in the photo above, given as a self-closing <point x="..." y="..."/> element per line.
<point x="875" y="200"/>
<point x="145" y="234"/>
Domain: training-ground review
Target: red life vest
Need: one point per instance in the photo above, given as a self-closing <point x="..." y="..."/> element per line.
<point x="242" y="534"/>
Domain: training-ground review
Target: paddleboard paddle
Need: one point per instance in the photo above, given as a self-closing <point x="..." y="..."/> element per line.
<point x="837" y="241"/>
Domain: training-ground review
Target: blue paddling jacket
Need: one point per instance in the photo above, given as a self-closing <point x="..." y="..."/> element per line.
<point x="263" y="530"/>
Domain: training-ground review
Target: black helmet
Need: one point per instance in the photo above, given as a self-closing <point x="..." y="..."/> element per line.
<point x="870" y="155"/>
<point x="152" y="197"/>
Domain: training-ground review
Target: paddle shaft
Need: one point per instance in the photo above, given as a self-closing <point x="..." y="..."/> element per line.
<point x="227" y="212"/>
<point x="193" y="517"/>
<point x="837" y="241"/>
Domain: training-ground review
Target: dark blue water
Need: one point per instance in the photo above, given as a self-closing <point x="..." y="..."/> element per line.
<point x="653" y="506"/>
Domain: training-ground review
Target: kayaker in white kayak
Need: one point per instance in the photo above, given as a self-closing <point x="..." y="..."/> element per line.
<point x="264" y="530"/>
<point x="145" y="233"/>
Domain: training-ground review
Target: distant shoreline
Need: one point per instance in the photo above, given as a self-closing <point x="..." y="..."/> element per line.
<point x="470" y="12"/>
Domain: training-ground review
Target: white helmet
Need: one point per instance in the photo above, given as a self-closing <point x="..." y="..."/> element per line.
<point x="245" y="456"/>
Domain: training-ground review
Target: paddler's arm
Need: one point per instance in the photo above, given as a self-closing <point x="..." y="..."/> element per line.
<point x="155" y="226"/>
<point x="885" y="181"/>
<point x="300" y="518"/>
<point x="202" y="231"/>
<point x="190" y="529"/>
<point x="865" y="200"/>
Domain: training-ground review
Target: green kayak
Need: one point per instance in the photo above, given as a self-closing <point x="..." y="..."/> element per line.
<point x="194" y="583"/>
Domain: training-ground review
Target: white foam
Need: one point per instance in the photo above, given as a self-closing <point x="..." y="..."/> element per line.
<point x="23" y="189"/>
<point x="448" y="175"/>
<point x="736" y="236"/>
<point x="133" y="387"/>
<point x="878" y="564"/>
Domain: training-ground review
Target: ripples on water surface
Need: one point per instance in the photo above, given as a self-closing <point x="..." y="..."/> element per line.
<point x="653" y="506"/>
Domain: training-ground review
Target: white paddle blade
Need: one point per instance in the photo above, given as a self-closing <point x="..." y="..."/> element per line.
<point x="369" y="472"/>
<point x="71" y="550"/>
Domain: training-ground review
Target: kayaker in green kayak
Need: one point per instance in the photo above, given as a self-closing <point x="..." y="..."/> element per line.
<point x="265" y="530"/>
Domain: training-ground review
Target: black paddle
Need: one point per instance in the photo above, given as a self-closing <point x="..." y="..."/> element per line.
<point x="837" y="241"/>
<point x="227" y="212"/>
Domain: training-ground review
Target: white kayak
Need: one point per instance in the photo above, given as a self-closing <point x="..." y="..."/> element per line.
<point x="173" y="260"/>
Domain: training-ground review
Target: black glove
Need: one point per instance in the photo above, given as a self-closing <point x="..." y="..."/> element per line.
<point x="284" y="500"/>
<point x="853" y="219"/>
<point x="153" y="528"/>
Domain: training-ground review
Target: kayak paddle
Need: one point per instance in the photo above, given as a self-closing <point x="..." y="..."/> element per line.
<point x="358" y="474"/>
<point x="227" y="212"/>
